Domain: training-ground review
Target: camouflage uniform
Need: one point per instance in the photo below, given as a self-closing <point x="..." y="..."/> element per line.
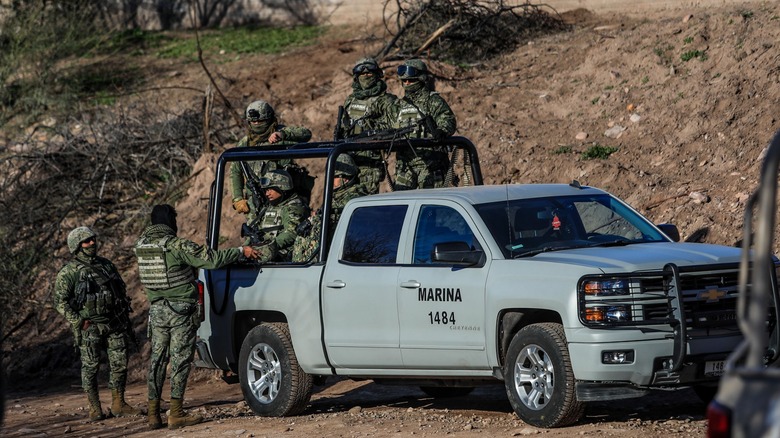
<point x="90" y="290"/>
<point x="277" y="222"/>
<point x="258" y="136"/>
<point x="306" y="244"/>
<point x="369" y="108"/>
<point x="425" y="168"/>
<point x="166" y="265"/>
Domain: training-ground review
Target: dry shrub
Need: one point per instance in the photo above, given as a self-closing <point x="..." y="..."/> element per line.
<point x="470" y="32"/>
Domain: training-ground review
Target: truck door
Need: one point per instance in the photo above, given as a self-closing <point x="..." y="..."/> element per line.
<point x="441" y="307"/>
<point x="359" y="307"/>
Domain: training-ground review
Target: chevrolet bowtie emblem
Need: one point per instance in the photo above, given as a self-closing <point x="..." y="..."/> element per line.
<point x="712" y="295"/>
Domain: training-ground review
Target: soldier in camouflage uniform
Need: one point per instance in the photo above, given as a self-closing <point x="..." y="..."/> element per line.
<point x="165" y="265"/>
<point x="425" y="168"/>
<point x="346" y="186"/>
<point x="276" y="223"/>
<point x="264" y="130"/>
<point x="91" y="295"/>
<point x="369" y="108"/>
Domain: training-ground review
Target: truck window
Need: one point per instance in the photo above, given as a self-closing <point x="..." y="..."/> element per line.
<point x="437" y="224"/>
<point x="373" y="234"/>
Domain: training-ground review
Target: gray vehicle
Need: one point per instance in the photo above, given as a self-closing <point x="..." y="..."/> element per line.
<point x="562" y="293"/>
<point x="748" y="401"/>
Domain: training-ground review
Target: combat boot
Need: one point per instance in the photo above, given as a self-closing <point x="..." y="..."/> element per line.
<point x="119" y="407"/>
<point x="153" y="414"/>
<point x="95" y="410"/>
<point x="178" y="418"/>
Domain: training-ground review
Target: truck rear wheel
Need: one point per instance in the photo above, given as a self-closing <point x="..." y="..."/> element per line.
<point x="273" y="383"/>
<point x="539" y="379"/>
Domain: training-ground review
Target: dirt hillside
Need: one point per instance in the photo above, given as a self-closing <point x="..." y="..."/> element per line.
<point x="688" y="98"/>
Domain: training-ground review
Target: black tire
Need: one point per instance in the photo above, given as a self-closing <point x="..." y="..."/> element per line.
<point x="539" y="379"/>
<point x="446" y="391"/>
<point x="273" y="383"/>
<point x="706" y="392"/>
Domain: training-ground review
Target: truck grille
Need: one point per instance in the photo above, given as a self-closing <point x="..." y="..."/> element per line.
<point x="709" y="298"/>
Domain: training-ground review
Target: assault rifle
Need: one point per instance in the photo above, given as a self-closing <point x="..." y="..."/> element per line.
<point x="123" y="315"/>
<point x="252" y="234"/>
<point x="336" y="133"/>
<point x="253" y="185"/>
<point x="382" y="134"/>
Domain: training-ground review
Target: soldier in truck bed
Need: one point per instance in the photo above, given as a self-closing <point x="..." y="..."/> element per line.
<point x="433" y="117"/>
<point x="368" y="108"/>
<point x="264" y="129"/>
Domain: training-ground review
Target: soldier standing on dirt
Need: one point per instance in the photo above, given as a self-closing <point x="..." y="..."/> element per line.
<point x="92" y="296"/>
<point x="346" y="186"/>
<point x="425" y="168"/>
<point x="369" y="108"/>
<point x="278" y="220"/>
<point x="165" y="265"/>
<point x="264" y="129"/>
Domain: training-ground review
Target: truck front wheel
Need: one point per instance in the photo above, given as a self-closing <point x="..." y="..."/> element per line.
<point x="539" y="379"/>
<point x="273" y="383"/>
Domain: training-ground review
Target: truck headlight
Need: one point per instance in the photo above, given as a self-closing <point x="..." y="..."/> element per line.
<point x="608" y="314"/>
<point x="598" y="288"/>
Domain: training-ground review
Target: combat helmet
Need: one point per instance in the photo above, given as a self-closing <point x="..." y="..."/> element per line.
<point x="345" y="167"/>
<point x="277" y="179"/>
<point x="259" y="110"/>
<point x="364" y="65"/>
<point x="413" y="69"/>
<point x="77" y="236"/>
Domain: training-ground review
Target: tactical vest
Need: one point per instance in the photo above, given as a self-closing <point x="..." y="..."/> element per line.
<point x="357" y="109"/>
<point x="153" y="268"/>
<point x="410" y="115"/>
<point x="94" y="298"/>
<point x="271" y="223"/>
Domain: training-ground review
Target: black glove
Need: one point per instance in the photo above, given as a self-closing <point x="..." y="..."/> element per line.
<point x="303" y="228"/>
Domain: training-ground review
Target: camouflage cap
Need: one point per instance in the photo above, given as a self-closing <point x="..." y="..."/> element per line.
<point x="77" y="236"/>
<point x="277" y="179"/>
<point x="345" y="166"/>
<point x="412" y="69"/>
<point x="259" y="110"/>
<point x="369" y="65"/>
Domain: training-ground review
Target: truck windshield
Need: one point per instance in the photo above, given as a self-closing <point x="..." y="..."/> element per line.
<point x="526" y="227"/>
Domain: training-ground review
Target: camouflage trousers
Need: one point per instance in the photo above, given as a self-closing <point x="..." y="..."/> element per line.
<point x="426" y="170"/>
<point x="371" y="177"/>
<point x="172" y="329"/>
<point x="94" y="340"/>
<point x="305" y="246"/>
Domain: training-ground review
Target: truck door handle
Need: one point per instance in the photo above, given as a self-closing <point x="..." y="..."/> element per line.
<point x="336" y="284"/>
<point x="411" y="284"/>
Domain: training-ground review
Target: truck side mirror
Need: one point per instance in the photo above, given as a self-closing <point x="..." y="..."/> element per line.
<point x="670" y="230"/>
<point x="459" y="253"/>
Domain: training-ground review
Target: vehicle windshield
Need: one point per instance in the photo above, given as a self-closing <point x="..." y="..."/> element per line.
<point x="526" y="227"/>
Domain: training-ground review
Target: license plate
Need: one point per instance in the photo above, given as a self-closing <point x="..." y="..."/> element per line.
<point x="714" y="368"/>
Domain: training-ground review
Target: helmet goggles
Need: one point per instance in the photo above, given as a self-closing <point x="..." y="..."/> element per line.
<point x="409" y="72"/>
<point x="253" y="115"/>
<point x="363" y="68"/>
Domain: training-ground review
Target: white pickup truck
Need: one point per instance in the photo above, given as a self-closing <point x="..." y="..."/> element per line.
<point x="563" y="293"/>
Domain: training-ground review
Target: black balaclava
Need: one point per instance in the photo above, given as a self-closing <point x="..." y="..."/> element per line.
<point x="164" y="214"/>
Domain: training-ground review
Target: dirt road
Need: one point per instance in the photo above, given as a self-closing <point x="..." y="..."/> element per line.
<point x="344" y="408"/>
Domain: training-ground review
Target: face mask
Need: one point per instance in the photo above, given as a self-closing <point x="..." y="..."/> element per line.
<point x="261" y="128"/>
<point x="367" y="82"/>
<point x="413" y="87"/>
<point x="90" y="251"/>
